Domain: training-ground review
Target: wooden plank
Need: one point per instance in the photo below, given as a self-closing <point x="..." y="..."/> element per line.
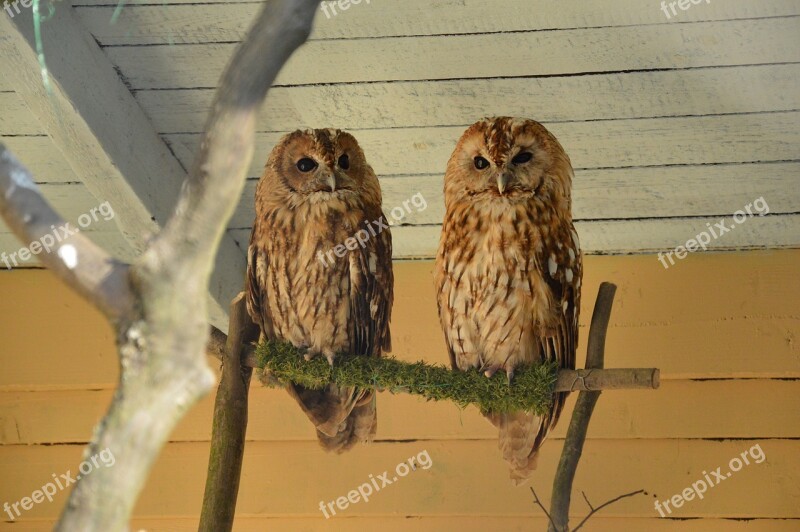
<point x="699" y="319"/>
<point x="16" y="118"/>
<point x="77" y="332"/>
<point x="652" y="192"/>
<point x="73" y="200"/>
<point x="767" y="232"/>
<point x="483" y="523"/>
<point x="705" y="91"/>
<point x="403" y="523"/>
<point x="47" y="417"/>
<point x="760" y="137"/>
<point x="106" y="137"/>
<point x="291" y="478"/>
<point x="113" y="242"/>
<point x="166" y="23"/>
<point x="619" y="237"/>
<point x="42" y="158"/>
<point x="693" y="45"/>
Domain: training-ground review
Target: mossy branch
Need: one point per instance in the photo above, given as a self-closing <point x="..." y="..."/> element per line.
<point x="532" y="387"/>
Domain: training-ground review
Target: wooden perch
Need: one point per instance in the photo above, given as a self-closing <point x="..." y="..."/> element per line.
<point x="531" y="390"/>
<point x="287" y="362"/>
<point x="579" y="424"/>
<point x="158" y="304"/>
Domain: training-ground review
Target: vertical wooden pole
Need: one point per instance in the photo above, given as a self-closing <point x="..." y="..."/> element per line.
<point x="579" y="424"/>
<point x="230" y="426"/>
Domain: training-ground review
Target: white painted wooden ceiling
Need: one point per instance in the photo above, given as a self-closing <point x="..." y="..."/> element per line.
<point x="670" y="124"/>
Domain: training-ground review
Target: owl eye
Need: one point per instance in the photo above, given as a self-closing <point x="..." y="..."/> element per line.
<point x="306" y="164"/>
<point x="481" y="163"/>
<point x="522" y="158"/>
<point x="344" y="162"/>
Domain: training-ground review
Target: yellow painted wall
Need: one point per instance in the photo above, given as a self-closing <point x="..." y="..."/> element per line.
<point x="723" y="328"/>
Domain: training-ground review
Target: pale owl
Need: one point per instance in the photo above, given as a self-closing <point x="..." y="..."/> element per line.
<point x="508" y="270"/>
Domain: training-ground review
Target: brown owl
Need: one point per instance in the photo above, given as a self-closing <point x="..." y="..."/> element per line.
<point x="319" y="269"/>
<point x="508" y="270"/>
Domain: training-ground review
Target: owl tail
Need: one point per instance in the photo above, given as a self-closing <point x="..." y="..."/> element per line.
<point x="521" y="435"/>
<point x="342" y="416"/>
<point x="359" y="427"/>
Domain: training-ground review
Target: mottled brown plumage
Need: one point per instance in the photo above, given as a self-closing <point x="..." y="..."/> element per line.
<point x="508" y="270"/>
<point x="310" y="282"/>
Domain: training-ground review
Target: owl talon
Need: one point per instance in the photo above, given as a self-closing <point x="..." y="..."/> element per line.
<point x="491" y="371"/>
<point x="309" y="356"/>
<point x="510" y="374"/>
<point x="330" y="359"/>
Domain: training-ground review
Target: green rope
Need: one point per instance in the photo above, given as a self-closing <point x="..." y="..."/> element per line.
<point x="117" y="12"/>
<point x="531" y="389"/>
<point x="37" y="31"/>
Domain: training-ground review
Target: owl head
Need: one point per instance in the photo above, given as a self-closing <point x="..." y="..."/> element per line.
<point x="318" y="166"/>
<point x="508" y="160"/>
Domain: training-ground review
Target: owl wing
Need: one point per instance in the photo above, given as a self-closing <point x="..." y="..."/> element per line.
<point x="523" y="433"/>
<point x="371" y="293"/>
<point x="256" y="281"/>
<point x="444" y="285"/>
<point x="560" y="340"/>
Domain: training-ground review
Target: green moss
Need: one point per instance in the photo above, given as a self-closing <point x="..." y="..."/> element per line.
<point x="531" y="388"/>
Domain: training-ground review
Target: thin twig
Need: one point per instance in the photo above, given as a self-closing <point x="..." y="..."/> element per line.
<point x="585" y="498"/>
<point x="595" y="510"/>
<point x="539" y="503"/>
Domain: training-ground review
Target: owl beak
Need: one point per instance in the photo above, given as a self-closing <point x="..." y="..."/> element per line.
<point x="502" y="182"/>
<point x="327" y="183"/>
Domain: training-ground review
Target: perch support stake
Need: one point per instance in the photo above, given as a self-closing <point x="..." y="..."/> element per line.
<point x="229" y="426"/>
<point x="576" y="434"/>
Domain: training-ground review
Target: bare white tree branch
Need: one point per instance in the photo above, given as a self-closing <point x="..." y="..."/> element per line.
<point x="75" y="259"/>
<point x="158" y="304"/>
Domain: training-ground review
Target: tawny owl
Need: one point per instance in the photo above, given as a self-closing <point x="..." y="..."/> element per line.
<point x="319" y="269"/>
<point x="508" y="270"/>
